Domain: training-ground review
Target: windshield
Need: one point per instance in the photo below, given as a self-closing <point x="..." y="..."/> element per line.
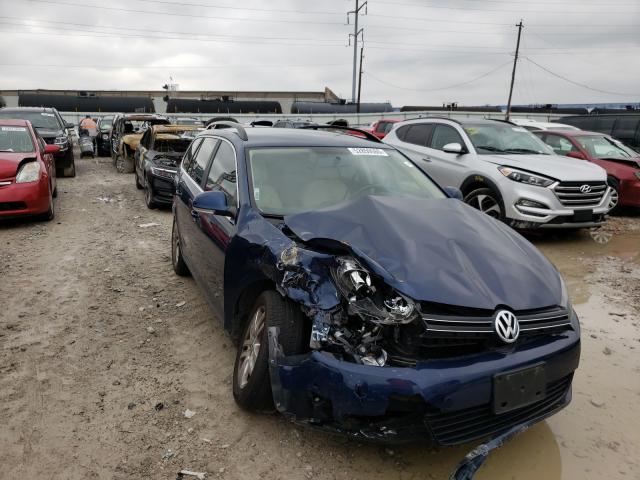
<point x="15" y="139"/>
<point x="37" y="119"/>
<point x="167" y="144"/>
<point x="292" y="180"/>
<point x="491" y="139"/>
<point x="106" y="124"/>
<point x="602" y="147"/>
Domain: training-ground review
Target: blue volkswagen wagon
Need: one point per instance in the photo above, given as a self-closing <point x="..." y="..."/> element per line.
<point x="364" y="298"/>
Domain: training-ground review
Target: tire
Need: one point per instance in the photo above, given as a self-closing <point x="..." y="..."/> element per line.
<point x="55" y="192"/>
<point x="138" y="184"/>
<point x="251" y="380"/>
<point x="177" y="260"/>
<point x="51" y="213"/>
<point x="614" y="205"/>
<point x="148" y="196"/>
<point x="70" y="171"/>
<point x="124" y="163"/>
<point x="487" y="201"/>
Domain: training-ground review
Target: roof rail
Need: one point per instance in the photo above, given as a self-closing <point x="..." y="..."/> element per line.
<point x="432" y="117"/>
<point x="242" y="133"/>
<point x="368" y="135"/>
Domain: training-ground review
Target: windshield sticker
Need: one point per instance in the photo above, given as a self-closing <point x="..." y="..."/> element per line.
<point x="14" y="129"/>
<point x="519" y="129"/>
<point x="256" y="194"/>
<point x="47" y="114"/>
<point x="471" y="130"/>
<point x="375" y="152"/>
<point x="409" y="164"/>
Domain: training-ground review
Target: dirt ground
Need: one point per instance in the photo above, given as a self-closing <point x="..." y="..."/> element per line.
<point x="103" y="349"/>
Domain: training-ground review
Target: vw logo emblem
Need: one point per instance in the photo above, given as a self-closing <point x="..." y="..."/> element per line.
<point x="507" y="326"/>
<point x="585" y="188"/>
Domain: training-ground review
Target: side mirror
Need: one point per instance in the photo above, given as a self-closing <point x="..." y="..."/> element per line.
<point x="453" y="148"/>
<point x="454" y="192"/>
<point x="69" y="125"/>
<point x="578" y="155"/>
<point x="214" y="202"/>
<point x="51" y="149"/>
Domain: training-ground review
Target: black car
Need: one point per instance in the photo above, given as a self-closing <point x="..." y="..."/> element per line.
<point x="54" y="131"/>
<point x="157" y="159"/>
<point x="104" y="134"/>
<point x="365" y="299"/>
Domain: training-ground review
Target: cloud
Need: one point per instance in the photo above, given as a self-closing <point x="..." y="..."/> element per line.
<point x="411" y="49"/>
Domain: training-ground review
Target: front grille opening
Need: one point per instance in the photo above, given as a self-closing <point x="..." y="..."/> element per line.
<point x="10" y="206"/>
<point x="452" y="428"/>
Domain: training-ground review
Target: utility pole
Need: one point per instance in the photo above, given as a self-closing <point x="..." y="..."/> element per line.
<point x="360" y="78"/>
<point x="513" y="73"/>
<point x="355" y="34"/>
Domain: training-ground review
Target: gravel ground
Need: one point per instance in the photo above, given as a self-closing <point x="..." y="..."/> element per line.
<point x="103" y="350"/>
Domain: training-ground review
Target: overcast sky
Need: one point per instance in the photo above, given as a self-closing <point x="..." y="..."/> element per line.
<point x="416" y="52"/>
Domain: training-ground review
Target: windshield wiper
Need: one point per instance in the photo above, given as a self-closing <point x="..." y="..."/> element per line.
<point x="8" y="150"/>
<point x="524" y="150"/>
<point x="490" y="148"/>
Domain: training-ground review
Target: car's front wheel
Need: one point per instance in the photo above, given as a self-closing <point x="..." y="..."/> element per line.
<point x="138" y="184"/>
<point x="251" y="380"/>
<point x="148" y="195"/>
<point x="614" y="183"/>
<point x="487" y="201"/>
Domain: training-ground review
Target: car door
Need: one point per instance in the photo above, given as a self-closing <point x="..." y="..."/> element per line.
<point x="189" y="186"/>
<point x="449" y="169"/>
<point x="413" y="143"/>
<point x="216" y="231"/>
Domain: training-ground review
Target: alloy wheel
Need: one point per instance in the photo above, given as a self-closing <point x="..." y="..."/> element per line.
<point x="175" y="243"/>
<point x="486" y="204"/>
<point x="251" y="346"/>
<point x="613" y="202"/>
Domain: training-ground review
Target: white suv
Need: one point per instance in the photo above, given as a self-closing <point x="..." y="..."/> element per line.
<point x="506" y="171"/>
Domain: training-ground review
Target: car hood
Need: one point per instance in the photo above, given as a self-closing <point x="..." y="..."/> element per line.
<point x="438" y="250"/>
<point x="9" y="162"/>
<point x="554" y="166"/>
<point x="49" y="133"/>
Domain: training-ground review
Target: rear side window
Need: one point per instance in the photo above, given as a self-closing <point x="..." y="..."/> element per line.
<point x="222" y="174"/>
<point x="417" y="134"/>
<point x="443" y="135"/>
<point x="560" y="145"/>
<point x="200" y="161"/>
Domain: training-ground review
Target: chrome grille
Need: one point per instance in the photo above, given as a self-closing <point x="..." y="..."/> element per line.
<point x="544" y="321"/>
<point x="571" y="195"/>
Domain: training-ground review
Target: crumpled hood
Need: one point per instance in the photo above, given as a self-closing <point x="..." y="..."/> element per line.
<point x="438" y="250"/>
<point x="49" y="133"/>
<point x="132" y="140"/>
<point x="560" y="168"/>
<point x="9" y="162"/>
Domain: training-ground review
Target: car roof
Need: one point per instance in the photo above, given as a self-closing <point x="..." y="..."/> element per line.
<point x="298" y="137"/>
<point x="573" y="133"/>
<point x="142" y="116"/>
<point x="174" y="128"/>
<point x="11" y="122"/>
<point x="27" y="109"/>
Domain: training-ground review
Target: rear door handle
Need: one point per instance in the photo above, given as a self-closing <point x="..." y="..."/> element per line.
<point x="426" y="158"/>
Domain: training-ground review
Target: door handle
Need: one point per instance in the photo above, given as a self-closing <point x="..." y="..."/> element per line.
<point x="426" y="158"/>
<point x="194" y="215"/>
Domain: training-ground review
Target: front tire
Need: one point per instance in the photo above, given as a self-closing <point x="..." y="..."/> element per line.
<point x="251" y="379"/>
<point x="614" y="183"/>
<point x="51" y="213"/>
<point x="487" y="201"/>
<point x="70" y="171"/>
<point x="138" y="184"/>
<point x="148" y="196"/>
<point x="177" y="260"/>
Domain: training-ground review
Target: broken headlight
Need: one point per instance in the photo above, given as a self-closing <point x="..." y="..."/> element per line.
<point x="379" y="304"/>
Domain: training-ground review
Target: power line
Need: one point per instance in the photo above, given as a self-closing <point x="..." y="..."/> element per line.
<point x="159" y="67"/>
<point x="175" y="14"/>
<point x="573" y="82"/>
<point x="552" y="12"/>
<point x="250" y="9"/>
<point x="526" y="2"/>
<point x="439" y="88"/>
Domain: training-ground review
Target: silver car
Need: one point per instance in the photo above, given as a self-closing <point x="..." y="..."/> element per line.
<point x="507" y="172"/>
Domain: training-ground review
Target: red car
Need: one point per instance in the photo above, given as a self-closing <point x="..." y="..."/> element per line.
<point x="27" y="171"/>
<point x="621" y="163"/>
<point x="382" y="127"/>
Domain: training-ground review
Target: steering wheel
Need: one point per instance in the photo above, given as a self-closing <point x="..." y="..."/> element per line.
<point x="371" y="186"/>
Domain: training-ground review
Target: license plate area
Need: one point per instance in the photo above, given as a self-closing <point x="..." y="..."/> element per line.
<point x="580" y="216"/>
<point x="518" y="388"/>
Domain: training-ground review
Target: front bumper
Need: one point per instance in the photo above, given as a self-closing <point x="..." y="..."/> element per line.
<point x="555" y="215"/>
<point x="18" y="199"/>
<point x="443" y="401"/>
<point x="163" y="188"/>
